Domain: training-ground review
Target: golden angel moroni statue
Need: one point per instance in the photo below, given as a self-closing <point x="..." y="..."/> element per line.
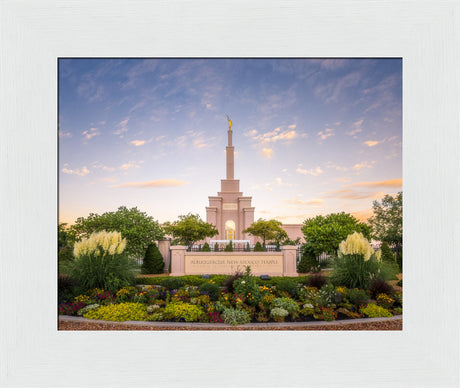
<point x="229" y="123"/>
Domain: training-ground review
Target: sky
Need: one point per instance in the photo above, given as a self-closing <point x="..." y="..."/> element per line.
<point x="311" y="136"/>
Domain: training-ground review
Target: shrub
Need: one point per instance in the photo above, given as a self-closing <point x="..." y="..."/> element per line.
<point x="66" y="287"/>
<point x="153" y="261"/>
<point x="399" y="284"/>
<point x="325" y="313"/>
<point x="119" y="312"/>
<point x="379" y="286"/>
<point x="65" y="256"/>
<point x="247" y="287"/>
<point x="206" y="248"/>
<point x="180" y="311"/>
<point x="173" y="283"/>
<point x="287" y="304"/>
<point x="387" y="253"/>
<point x="397" y="296"/>
<point x="357" y="297"/>
<point x="85" y="309"/>
<point x="278" y="314"/>
<point x="284" y="285"/>
<point x="228" y="283"/>
<point x="248" y="247"/>
<point x="397" y="310"/>
<point x="399" y="261"/>
<point x="229" y="247"/>
<point x="235" y="317"/>
<point x="374" y="311"/>
<point x="308" y="262"/>
<point x="99" y="262"/>
<point x="216" y="247"/>
<point x="210" y="288"/>
<point x="385" y="301"/>
<point x="317" y="281"/>
<point x="258" y="247"/>
<point x="357" y="263"/>
<point x="70" y="308"/>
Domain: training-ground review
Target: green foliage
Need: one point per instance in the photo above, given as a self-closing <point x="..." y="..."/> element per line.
<point x="235" y="317"/>
<point x="285" y="284"/>
<point x="387" y="254"/>
<point x="173" y="283"/>
<point x="63" y="238"/>
<point x="385" y="301"/>
<point x="216" y="247"/>
<point x="206" y="248"/>
<point x="247" y="286"/>
<point x="258" y="247"/>
<point x="66" y="287"/>
<point x="308" y="261"/>
<point x="267" y="230"/>
<point x="137" y="227"/>
<point x="357" y="297"/>
<point x="110" y="272"/>
<point x="374" y="311"/>
<point x="191" y="280"/>
<point x="119" y="312"/>
<point x="387" y="220"/>
<point x="210" y="288"/>
<point x="353" y="271"/>
<point x="399" y="260"/>
<point x="229" y="247"/>
<point x="153" y="261"/>
<point x="287" y="304"/>
<point x="180" y="311"/>
<point x="278" y="314"/>
<point x="248" y="247"/>
<point x="189" y="229"/>
<point x="324" y="233"/>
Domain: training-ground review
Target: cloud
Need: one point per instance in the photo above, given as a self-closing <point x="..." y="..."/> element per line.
<point x="292" y="126"/>
<point x="336" y="167"/>
<point x="132" y="164"/>
<point x="280" y="182"/>
<point x="396" y="183"/>
<point x="122" y="127"/>
<point x="80" y="172"/>
<point x="267" y="152"/>
<point x="99" y="165"/>
<point x="199" y="143"/>
<point x="137" y="143"/>
<point x="314" y="172"/>
<point x="363" y="215"/>
<point x="326" y="133"/>
<point x="356" y="128"/>
<point x="348" y="194"/>
<point x="276" y="135"/>
<point x="90" y="133"/>
<point x="365" y="164"/>
<point x="371" y="143"/>
<point x="158" y="183"/>
<point x="311" y="202"/>
<point x="64" y="134"/>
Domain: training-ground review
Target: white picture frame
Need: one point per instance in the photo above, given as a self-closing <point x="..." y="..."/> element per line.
<point x="35" y="33"/>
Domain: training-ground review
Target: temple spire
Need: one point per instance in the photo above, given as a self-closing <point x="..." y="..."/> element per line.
<point x="230" y="152"/>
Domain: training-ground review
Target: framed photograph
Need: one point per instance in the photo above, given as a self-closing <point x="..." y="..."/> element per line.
<point x="44" y="45"/>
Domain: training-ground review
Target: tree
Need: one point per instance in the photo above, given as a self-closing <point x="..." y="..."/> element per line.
<point x="189" y="229"/>
<point x="153" y="261"/>
<point x="206" y="248"/>
<point x="308" y="261"/>
<point x="139" y="229"/>
<point x="325" y="233"/>
<point x="387" y="220"/>
<point x="258" y="247"/>
<point x="267" y="230"/>
<point x="387" y="254"/>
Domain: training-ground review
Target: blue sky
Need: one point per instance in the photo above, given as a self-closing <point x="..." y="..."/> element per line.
<point x="311" y="136"/>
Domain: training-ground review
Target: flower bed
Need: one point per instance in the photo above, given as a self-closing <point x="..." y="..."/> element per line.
<point x="242" y="300"/>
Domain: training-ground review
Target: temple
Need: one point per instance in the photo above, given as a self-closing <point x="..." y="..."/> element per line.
<point x="230" y="211"/>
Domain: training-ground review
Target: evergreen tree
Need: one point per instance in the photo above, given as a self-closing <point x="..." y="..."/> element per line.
<point x="248" y="247"/>
<point x="258" y="247"/>
<point x="206" y="248"/>
<point x="387" y="254"/>
<point x="153" y="261"/>
<point x="216" y="247"/>
<point x="308" y="261"/>
<point x="229" y="247"/>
